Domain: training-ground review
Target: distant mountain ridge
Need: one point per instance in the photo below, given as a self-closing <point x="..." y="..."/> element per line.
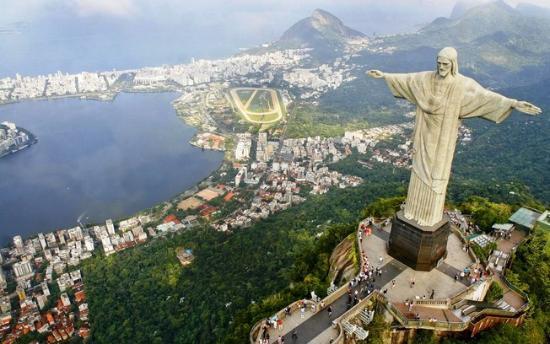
<point x="476" y="22"/>
<point x="461" y="7"/>
<point x="498" y="46"/>
<point x="321" y="31"/>
<point x="496" y="43"/>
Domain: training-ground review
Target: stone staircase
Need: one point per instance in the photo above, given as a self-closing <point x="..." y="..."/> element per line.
<point x="366" y="316"/>
<point x="331" y="289"/>
<point x="504" y="305"/>
<point x="358" y="331"/>
<point x="463" y="310"/>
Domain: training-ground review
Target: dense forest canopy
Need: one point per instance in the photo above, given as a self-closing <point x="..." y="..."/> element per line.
<point x="144" y="295"/>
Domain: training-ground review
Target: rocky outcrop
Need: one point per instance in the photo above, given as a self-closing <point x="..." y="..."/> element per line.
<point x="343" y="261"/>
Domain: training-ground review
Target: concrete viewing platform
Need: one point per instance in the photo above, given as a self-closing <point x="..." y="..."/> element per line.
<point x="450" y="297"/>
<point x="419" y="285"/>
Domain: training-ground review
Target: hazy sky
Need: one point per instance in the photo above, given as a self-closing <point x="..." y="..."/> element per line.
<point x="265" y="16"/>
<point x="42" y="36"/>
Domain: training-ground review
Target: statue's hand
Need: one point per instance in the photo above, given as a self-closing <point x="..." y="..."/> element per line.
<point x="527" y="108"/>
<point x="374" y="73"/>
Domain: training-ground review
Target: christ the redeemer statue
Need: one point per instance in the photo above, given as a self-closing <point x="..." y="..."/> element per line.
<point x="443" y="98"/>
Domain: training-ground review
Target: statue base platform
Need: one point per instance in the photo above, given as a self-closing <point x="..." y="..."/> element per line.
<point x="420" y="247"/>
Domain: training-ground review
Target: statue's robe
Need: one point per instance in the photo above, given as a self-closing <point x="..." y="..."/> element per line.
<point x="441" y="103"/>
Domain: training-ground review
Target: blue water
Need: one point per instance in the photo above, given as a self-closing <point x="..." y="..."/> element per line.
<point x="101" y="159"/>
<point x="60" y="41"/>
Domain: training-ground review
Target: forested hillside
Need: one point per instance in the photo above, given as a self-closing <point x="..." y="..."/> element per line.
<point x="143" y="295"/>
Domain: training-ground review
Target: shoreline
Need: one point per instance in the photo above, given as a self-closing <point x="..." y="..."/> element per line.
<point x="185" y="193"/>
<point x="32" y="140"/>
<point x="107" y="96"/>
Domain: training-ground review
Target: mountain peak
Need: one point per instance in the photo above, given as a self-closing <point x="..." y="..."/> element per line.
<point x="321" y="31"/>
<point x="502" y="5"/>
<point x="480" y="19"/>
<point x="468" y="7"/>
<point x="462" y="6"/>
<point x="324" y="16"/>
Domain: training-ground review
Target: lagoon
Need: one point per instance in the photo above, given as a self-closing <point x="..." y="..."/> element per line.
<point x="97" y="160"/>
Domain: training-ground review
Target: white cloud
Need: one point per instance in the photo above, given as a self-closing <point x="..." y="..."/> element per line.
<point x="115" y="8"/>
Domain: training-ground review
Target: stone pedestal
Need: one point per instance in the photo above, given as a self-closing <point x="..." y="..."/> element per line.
<point x="419" y="247"/>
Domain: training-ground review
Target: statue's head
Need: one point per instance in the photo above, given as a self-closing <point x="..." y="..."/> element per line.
<point x="447" y="62"/>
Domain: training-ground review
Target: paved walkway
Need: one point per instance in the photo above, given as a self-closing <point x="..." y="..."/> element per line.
<point x="423" y="312"/>
<point x="289" y="322"/>
<point x="508" y="245"/>
<point x="325" y="336"/>
<point x="450" y="271"/>
<point x="510" y="296"/>
<point x="318" y="323"/>
<point x="381" y="233"/>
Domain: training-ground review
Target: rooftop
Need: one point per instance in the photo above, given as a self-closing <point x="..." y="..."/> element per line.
<point x="185" y="256"/>
<point x="525" y="217"/>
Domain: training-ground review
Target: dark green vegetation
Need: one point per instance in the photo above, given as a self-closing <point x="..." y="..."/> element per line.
<point x="142" y="295"/>
<point x="359" y="104"/>
<point x="384" y="207"/>
<point x="514" y="154"/>
<point x="378" y="328"/>
<point x="486" y="213"/>
<point x="483" y="253"/>
<point x="32" y="337"/>
<point x="363" y="99"/>
<point x="307" y="120"/>
<point x="494" y="293"/>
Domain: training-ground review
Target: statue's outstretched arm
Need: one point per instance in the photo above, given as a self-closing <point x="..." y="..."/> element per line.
<point x="374" y="73"/>
<point x="526" y="107"/>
